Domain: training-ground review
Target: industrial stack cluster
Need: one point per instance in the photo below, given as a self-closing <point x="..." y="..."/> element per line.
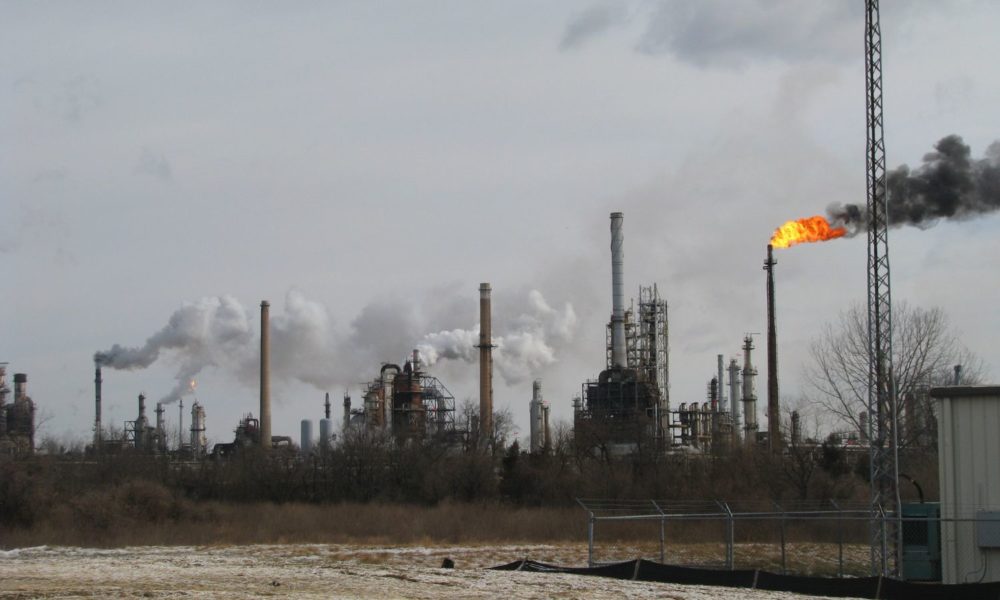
<point x="627" y="408"/>
<point x="17" y="418"/>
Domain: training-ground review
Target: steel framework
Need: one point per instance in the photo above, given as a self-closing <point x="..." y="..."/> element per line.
<point x="881" y="394"/>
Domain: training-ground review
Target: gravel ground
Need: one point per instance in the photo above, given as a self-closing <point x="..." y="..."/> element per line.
<point x="320" y="571"/>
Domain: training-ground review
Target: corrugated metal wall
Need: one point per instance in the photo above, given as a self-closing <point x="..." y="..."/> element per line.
<point x="969" y="469"/>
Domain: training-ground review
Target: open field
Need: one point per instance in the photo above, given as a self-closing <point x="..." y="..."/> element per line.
<point x="320" y="571"/>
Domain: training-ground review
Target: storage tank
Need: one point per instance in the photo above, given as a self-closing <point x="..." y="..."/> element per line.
<point x="306" y="441"/>
<point x="325" y="433"/>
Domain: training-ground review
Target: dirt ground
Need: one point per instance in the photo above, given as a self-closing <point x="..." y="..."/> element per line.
<point x="321" y="571"/>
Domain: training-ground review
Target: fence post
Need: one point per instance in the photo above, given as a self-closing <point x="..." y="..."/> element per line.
<point x="730" y="535"/>
<point x="663" y="522"/>
<point x="840" y="538"/>
<point x="784" y="568"/>
<point x="590" y="539"/>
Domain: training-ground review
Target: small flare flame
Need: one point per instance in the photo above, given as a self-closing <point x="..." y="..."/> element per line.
<point x="809" y="229"/>
<point x="192" y="386"/>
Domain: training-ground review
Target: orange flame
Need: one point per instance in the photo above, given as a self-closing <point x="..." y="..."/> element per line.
<point x="809" y="229"/>
<point x="192" y="386"/>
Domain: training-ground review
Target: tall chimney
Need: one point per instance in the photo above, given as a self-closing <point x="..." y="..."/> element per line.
<point x="161" y="434"/>
<point x="326" y="406"/>
<point x="547" y="438"/>
<point x="796" y="429"/>
<point x="265" y="376"/>
<point x="20" y="387"/>
<point x="535" y="428"/>
<point x="98" y="380"/>
<point x="773" y="410"/>
<point x="347" y="412"/>
<point x="734" y="395"/>
<point x="749" y="396"/>
<point x="485" y="365"/>
<point x="719" y="380"/>
<point x="180" y="424"/>
<point x="617" y="292"/>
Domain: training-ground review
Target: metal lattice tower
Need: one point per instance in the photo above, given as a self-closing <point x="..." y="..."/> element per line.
<point x="881" y="394"/>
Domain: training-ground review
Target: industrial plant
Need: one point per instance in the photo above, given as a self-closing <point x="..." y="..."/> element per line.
<point x="17" y="419"/>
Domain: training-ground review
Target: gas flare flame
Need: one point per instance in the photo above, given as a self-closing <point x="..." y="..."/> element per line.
<point x="809" y="229"/>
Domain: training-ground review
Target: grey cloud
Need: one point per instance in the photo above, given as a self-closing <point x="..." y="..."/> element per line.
<point x="590" y="23"/>
<point x="731" y="33"/>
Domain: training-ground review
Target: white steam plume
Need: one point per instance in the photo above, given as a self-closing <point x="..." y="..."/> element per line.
<point x="210" y="331"/>
<point x="525" y="344"/>
<point x="306" y="346"/>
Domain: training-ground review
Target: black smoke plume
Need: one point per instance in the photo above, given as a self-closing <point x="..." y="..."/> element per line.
<point x="948" y="185"/>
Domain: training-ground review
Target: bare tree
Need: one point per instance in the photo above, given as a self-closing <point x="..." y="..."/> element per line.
<point x="924" y="346"/>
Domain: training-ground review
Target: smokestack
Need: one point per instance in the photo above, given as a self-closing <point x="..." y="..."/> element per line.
<point x="536" y="417"/>
<point x="734" y="395"/>
<point x="161" y="435"/>
<point x="719" y="380"/>
<point x="485" y="365"/>
<point x="140" y="423"/>
<point x="547" y="439"/>
<point x="796" y="429"/>
<point x="749" y="397"/>
<point x="773" y="410"/>
<point x="347" y="412"/>
<point x="265" y="376"/>
<point x="326" y="406"/>
<point x="958" y="374"/>
<point x="617" y="292"/>
<point x="3" y="399"/>
<point x="180" y="424"/>
<point x="98" y="380"/>
<point x="20" y="387"/>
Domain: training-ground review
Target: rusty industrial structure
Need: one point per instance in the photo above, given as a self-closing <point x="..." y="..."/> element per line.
<point x="17" y="418"/>
<point x="407" y="402"/>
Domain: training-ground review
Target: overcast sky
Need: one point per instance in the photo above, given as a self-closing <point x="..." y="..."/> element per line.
<point x="365" y="165"/>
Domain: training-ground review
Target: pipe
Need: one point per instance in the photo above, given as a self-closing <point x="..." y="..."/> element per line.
<point x="265" y="376"/>
<point x="773" y="410"/>
<point x="618" y="359"/>
<point x="485" y="364"/>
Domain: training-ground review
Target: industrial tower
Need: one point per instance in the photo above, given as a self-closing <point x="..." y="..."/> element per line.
<point x="885" y="542"/>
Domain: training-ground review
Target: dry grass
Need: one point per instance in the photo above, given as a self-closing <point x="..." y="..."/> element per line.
<point x="264" y="523"/>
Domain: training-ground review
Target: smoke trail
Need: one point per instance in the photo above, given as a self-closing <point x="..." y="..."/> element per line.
<point x="306" y="346"/>
<point x="211" y="331"/>
<point x="948" y="185"/>
<point x="527" y="342"/>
